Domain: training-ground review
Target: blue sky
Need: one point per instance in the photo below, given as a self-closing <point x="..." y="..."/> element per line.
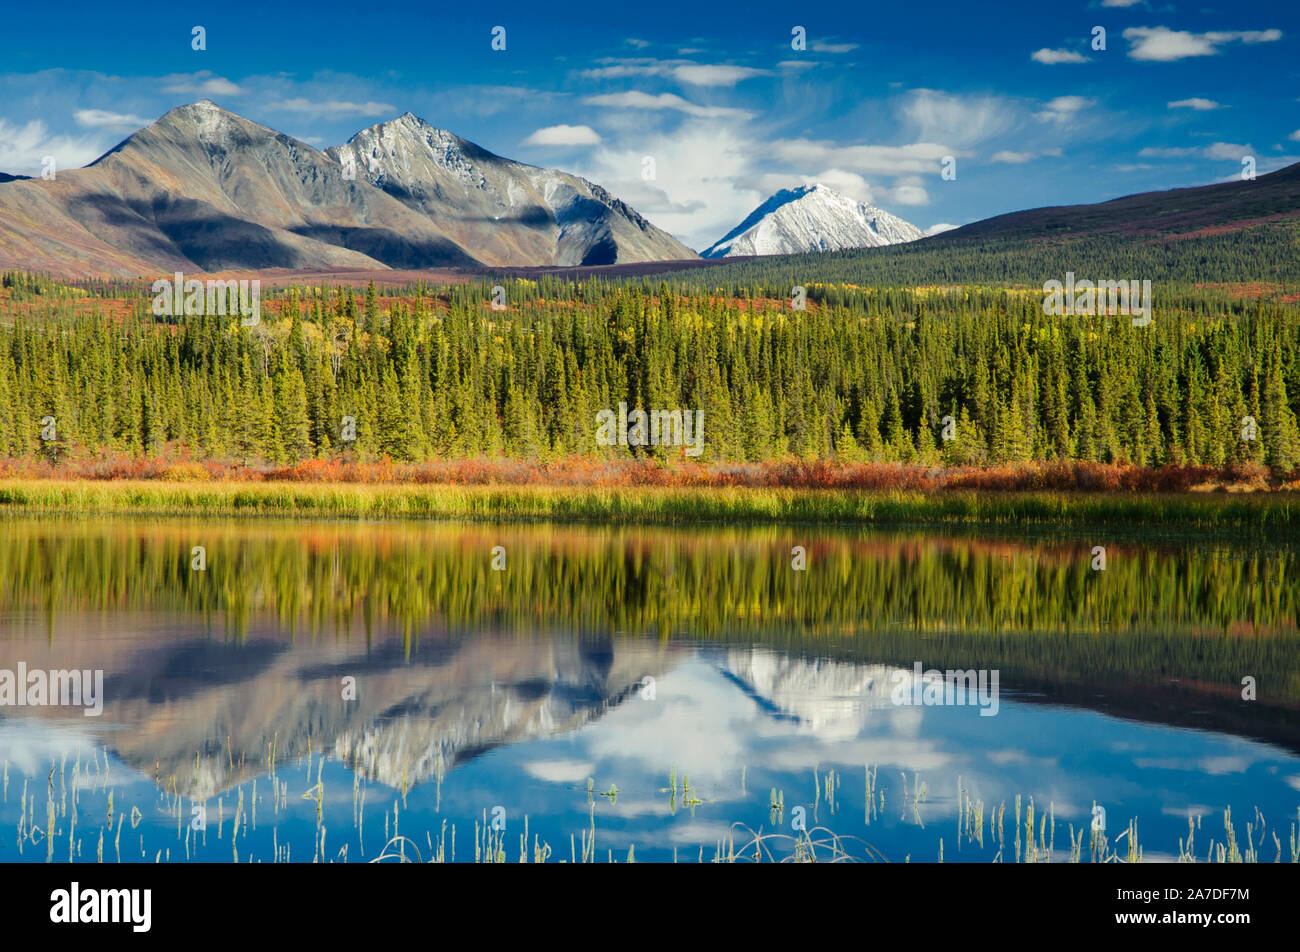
<point x="715" y="93"/>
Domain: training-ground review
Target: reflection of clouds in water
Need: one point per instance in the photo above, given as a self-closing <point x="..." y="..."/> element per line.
<point x="1192" y="809"/>
<point x="697" y="724"/>
<point x="30" y="745"/>
<point x="691" y="835"/>
<point x="558" y="715"/>
<point x="897" y="752"/>
<point x="560" y="771"/>
<point x="710" y="722"/>
<point x="1159" y="763"/>
<point x="1004" y="757"/>
<point x="706" y="832"/>
<point x="1227" y="764"/>
<point x="1224" y="765"/>
<point x="629" y="809"/>
<point x="721" y="712"/>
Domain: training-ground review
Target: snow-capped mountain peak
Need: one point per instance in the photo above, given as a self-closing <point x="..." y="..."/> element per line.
<point x="812" y="218"/>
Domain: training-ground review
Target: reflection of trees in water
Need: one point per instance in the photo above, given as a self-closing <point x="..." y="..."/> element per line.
<point x="1203" y="615"/>
<point x="706" y="583"/>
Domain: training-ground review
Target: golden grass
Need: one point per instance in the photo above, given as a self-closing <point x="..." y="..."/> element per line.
<point x="649" y="504"/>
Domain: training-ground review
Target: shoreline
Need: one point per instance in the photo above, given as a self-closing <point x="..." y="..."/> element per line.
<point x="1276" y="511"/>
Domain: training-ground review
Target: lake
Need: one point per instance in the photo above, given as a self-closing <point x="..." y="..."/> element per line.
<point x="293" y="690"/>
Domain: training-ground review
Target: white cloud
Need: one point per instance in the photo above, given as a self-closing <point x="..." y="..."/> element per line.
<point x="624" y="70"/>
<point x="1200" y="105"/>
<point x="1151" y="152"/>
<point x="102" y="119"/>
<point x="1219" y="150"/>
<point x="849" y="183"/>
<point x="1163" y="45"/>
<point x="1052" y="57"/>
<point x="917" y="158"/>
<point x="692" y="74"/>
<point x="1227" y="150"/>
<point x="23" y="149"/>
<point x="484" y="101"/>
<point x="703" y="173"/>
<point x="906" y="189"/>
<point x="1295" y="136"/>
<point x="819" y="47"/>
<point x="202" y="83"/>
<point x="1121" y="3"/>
<point x="1016" y="158"/>
<point x="907" y="195"/>
<point x="564" y="135"/>
<point x="715" y="75"/>
<point x="333" y="108"/>
<point x="960" y="120"/>
<point x="1064" y="108"/>
<point x="939" y="228"/>
<point x="640" y="100"/>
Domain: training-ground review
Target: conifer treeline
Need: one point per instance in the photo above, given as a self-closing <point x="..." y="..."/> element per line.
<point x="860" y="375"/>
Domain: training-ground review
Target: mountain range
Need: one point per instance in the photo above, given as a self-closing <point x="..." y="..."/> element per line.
<point x="203" y="189"/>
<point x="812" y="218"/>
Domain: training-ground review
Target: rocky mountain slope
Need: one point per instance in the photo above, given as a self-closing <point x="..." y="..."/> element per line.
<point x="508" y="212"/>
<point x="203" y="189"/>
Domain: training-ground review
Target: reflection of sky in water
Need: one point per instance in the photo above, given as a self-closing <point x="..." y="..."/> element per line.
<point x="737" y="723"/>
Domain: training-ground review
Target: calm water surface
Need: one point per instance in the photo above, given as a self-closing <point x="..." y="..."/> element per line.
<point x="650" y="691"/>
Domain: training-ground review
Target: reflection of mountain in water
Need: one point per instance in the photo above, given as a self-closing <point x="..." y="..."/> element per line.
<point x="833" y="699"/>
<point x="828" y="698"/>
<point x="442" y="704"/>
<point x="491" y="694"/>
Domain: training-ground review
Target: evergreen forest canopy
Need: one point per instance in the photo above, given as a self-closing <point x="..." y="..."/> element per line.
<point x="862" y="374"/>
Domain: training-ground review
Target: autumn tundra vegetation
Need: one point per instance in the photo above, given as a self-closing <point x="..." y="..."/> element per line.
<point x="908" y="389"/>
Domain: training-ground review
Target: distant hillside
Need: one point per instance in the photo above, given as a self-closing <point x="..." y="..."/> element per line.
<point x="1233" y="231"/>
<point x="1177" y="211"/>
